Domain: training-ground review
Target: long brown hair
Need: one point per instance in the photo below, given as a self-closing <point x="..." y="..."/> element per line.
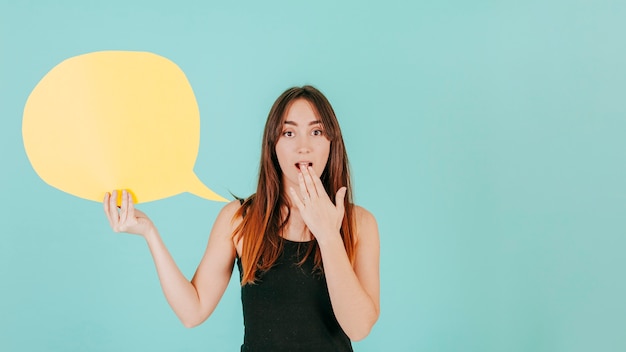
<point x="263" y="213"/>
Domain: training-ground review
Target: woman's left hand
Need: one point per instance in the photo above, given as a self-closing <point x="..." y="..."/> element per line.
<point x="321" y="216"/>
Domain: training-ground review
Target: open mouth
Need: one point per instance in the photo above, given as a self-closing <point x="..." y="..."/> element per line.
<point x="299" y="165"/>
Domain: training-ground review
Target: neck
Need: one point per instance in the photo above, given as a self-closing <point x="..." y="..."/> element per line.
<point x="295" y="229"/>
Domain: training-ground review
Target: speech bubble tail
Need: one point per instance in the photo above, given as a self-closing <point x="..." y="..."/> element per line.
<point x="195" y="186"/>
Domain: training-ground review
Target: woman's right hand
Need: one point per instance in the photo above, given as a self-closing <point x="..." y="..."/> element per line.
<point x="127" y="218"/>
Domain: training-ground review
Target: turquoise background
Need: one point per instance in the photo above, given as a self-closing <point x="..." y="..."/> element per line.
<point x="487" y="137"/>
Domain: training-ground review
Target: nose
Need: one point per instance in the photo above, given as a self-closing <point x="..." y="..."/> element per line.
<point x="303" y="144"/>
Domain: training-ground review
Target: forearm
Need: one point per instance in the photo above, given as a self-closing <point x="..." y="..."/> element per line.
<point x="354" y="309"/>
<point x="214" y="270"/>
<point x="179" y="291"/>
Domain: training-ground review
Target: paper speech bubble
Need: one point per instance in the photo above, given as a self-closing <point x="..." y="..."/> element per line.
<point x="115" y="120"/>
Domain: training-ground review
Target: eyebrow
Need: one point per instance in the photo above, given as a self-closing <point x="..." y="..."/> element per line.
<point x="310" y="123"/>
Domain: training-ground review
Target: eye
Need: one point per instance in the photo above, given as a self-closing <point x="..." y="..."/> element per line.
<point x="288" y="133"/>
<point x="317" y="132"/>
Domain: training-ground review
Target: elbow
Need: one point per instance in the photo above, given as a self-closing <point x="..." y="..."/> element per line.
<point x="358" y="337"/>
<point x="193" y="317"/>
<point x="190" y="322"/>
<point x="360" y="332"/>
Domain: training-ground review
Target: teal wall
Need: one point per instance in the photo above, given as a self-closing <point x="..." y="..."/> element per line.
<point x="488" y="138"/>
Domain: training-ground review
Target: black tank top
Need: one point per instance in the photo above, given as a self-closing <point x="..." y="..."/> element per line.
<point x="288" y="308"/>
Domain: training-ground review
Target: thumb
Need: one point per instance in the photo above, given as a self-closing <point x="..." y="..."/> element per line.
<point x="339" y="197"/>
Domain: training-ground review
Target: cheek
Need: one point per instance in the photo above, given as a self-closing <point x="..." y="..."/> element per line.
<point x="281" y="155"/>
<point x="279" y="150"/>
<point x="324" y="155"/>
<point x="325" y="148"/>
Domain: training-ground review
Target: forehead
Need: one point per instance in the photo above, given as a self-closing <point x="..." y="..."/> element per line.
<point x="301" y="111"/>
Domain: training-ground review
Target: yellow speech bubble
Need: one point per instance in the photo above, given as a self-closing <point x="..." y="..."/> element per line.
<point x="115" y="120"/>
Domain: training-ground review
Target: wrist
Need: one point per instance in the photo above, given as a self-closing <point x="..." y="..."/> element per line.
<point x="151" y="234"/>
<point x="332" y="239"/>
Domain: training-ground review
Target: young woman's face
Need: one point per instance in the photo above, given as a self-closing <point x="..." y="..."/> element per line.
<point x="302" y="141"/>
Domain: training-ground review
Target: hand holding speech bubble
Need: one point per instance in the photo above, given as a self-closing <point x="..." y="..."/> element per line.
<point x="115" y="120"/>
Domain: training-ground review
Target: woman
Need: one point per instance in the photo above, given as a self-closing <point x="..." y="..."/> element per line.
<point x="308" y="265"/>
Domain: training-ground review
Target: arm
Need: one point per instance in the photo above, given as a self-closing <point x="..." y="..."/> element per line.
<point x="193" y="301"/>
<point x="354" y="291"/>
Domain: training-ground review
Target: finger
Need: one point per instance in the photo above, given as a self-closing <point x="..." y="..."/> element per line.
<point x="124" y="214"/>
<point x="106" y="206"/>
<point x="131" y="205"/>
<point x="105" y="203"/>
<point x="339" y="199"/>
<point x="319" y="186"/>
<point x="114" y="216"/>
<point x="308" y="180"/>
<point x="303" y="190"/>
<point x="296" y="199"/>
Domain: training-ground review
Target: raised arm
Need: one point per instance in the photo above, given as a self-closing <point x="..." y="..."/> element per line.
<point x="192" y="301"/>
<point x="354" y="290"/>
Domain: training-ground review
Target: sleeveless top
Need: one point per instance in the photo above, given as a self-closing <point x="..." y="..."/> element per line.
<point x="288" y="307"/>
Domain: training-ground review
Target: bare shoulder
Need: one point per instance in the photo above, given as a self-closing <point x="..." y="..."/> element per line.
<point x="366" y="224"/>
<point x="227" y="219"/>
<point x="363" y="214"/>
<point x="230" y="209"/>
